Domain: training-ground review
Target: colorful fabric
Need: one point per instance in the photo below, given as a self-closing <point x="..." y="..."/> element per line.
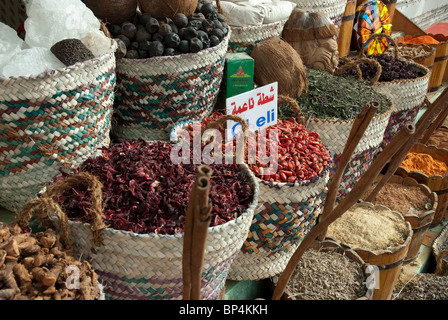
<point x="372" y="17"/>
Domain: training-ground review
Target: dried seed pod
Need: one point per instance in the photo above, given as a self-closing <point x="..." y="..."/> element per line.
<point x="47" y="241"/>
<point x="12" y="248"/>
<point x="44" y="277"/>
<point x="31" y="250"/>
<point x="22" y="274"/>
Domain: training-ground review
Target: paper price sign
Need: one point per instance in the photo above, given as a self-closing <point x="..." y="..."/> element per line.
<point x="258" y="107"/>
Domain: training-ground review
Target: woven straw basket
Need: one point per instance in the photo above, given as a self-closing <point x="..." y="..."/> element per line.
<point x="244" y="39"/>
<point x="285" y="213"/>
<point x="333" y="9"/>
<point x="60" y="117"/>
<point x="149" y="266"/>
<point x="440" y="252"/>
<point x="334" y="134"/>
<point x="153" y="94"/>
<point x="408" y="95"/>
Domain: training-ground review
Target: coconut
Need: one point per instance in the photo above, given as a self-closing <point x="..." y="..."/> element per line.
<point x="275" y="60"/>
<point x="113" y="11"/>
<point x="168" y="8"/>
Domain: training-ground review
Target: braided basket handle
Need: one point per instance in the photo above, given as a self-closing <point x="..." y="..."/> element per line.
<point x="245" y="128"/>
<point x="294" y="106"/>
<point x="45" y="204"/>
<point x="355" y="63"/>
<point x="218" y="5"/>
<point x="13" y="134"/>
<point x="380" y="35"/>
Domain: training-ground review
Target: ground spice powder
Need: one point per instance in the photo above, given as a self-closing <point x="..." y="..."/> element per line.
<point x="424" y="163"/>
<point x="424" y="39"/>
<point x="370" y="228"/>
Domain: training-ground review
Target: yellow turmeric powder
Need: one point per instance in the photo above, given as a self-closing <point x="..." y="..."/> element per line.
<point x="424" y="163"/>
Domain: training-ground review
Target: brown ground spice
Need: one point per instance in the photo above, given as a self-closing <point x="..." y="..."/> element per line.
<point x="374" y="229"/>
<point x="439" y="138"/>
<point x="402" y="198"/>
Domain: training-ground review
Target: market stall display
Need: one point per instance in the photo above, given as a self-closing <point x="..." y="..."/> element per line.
<point x="415" y="201"/>
<point x="404" y="82"/>
<point x="330" y="107"/>
<point x="36" y="266"/>
<point x="429" y="166"/>
<point x="380" y="236"/>
<point x="127" y="218"/>
<point x="290" y="200"/>
<point x="58" y="116"/>
<point x="155" y="92"/>
<point x="328" y="271"/>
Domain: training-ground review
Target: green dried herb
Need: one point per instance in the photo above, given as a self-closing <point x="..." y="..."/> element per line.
<point x="332" y="97"/>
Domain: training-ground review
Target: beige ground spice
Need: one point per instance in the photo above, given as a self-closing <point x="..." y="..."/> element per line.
<point x="402" y="198"/>
<point x="375" y="229"/>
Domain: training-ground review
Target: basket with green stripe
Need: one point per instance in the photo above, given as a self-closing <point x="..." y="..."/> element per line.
<point x="57" y="118"/>
<point x="154" y="94"/>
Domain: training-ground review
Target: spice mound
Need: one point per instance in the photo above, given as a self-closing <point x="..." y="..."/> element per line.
<point x="373" y="228"/>
<point x="424" y="163"/>
<point x="298" y="153"/>
<point x="402" y="198"/>
<point x="145" y="192"/>
<point x="423" y="287"/>
<point x="36" y="267"/>
<point x="326" y="275"/>
<point x="334" y="97"/>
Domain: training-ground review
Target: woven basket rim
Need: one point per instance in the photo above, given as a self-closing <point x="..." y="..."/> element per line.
<point x="65" y="70"/>
<point x="258" y="27"/>
<point x="182" y="56"/>
<point x="413" y="64"/>
<point x="175" y="139"/>
<point x="385" y="251"/>
<point x="216" y="229"/>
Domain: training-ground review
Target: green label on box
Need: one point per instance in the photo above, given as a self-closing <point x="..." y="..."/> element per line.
<point x="239" y="73"/>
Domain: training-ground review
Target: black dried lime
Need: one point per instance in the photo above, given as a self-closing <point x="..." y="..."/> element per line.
<point x="158" y="37"/>
<point x="169" y="52"/>
<point x="132" y="54"/>
<point x="207" y="25"/>
<point x="134" y="45"/>
<point x="144" y="45"/>
<point x="115" y="30"/>
<point x="207" y="8"/>
<point x="196" y="24"/>
<point x="142" y="34"/>
<point x="203" y="36"/>
<point x="129" y="30"/>
<point x="152" y="25"/>
<point x="144" y="18"/>
<point x="180" y="20"/>
<point x="214" y="40"/>
<point x="184" y="46"/>
<point x="217" y="32"/>
<point x="196" y="45"/>
<point x="156" y="49"/>
<point x="172" y="40"/>
<point x="143" y="54"/>
<point x="125" y="39"/>
<point x="165" y="29"/>
<point x="189" y="33"/>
